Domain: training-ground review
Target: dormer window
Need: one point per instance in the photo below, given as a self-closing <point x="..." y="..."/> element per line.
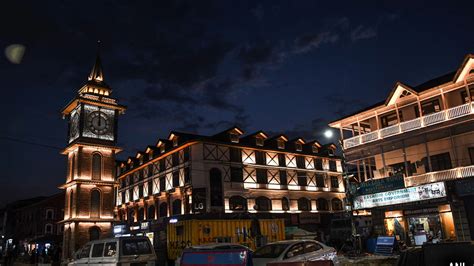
<point x="299" y="147"/>
<point x="175" y="142"/>
<point x="315" y="149"/>
<point x="280" y="144"/>
<point x="331" y="152"/>
<point x="150" y="155"/>
<point x="234" y="138"/>
<point x="162" y="148"/>
<point x="259" y="141"/>
<point x="141" y="160"/>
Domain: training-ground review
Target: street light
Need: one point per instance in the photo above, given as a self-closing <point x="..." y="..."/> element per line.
<point x="328" y="134"/>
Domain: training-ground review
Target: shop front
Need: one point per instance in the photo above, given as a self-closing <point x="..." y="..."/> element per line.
<point x="414" y="215"/>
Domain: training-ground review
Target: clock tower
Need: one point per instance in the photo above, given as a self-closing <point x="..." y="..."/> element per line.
<point x="91" y="148"/>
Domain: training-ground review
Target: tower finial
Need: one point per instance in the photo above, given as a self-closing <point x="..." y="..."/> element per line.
<point x="97" y="73"/>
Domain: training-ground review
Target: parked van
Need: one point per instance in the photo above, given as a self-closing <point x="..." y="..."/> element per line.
<point x="116" y="251"/>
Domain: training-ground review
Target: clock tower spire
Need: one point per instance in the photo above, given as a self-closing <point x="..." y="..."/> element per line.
<point x="91" y="148"/>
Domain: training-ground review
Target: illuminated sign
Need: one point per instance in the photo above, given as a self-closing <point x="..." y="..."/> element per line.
<point x="424" y="192"/>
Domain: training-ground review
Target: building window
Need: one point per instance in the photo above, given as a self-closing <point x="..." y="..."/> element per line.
<point x="260" y="157"/>
<point x="94" y="233"/>
<point x="322" y="204"/>
<point x="215" y="178"/>
<point x="48" y="229"/>
<point x="304" y="204"/>
<point x="285" y="204"/>
<point x="234" y="138"/>
<point x="262" y="176"/>
<point x="440" y="162"/>
<point x="259" y="141"/>
<point x="298" y="146"/>
<point x="95" y="203"/>
<point x="334" y="182"/>
<point x="336" y="204"/>
<point x="175" y="159"/>
<point x="315" y="149"/>
<point x="73" y="165"/>
<point x="49" y="214"/>
<point x="176" y="207"/>
<point x="428" y="107"/>
<point x="263" y="204"/>
<point x="302" y="180"/>
<point x="281" y="160"/>
<point x="389" y="120"/>
<point x="283" y="179"/>
<point x="71" y="201"/>
<point x="163" y="209"/>
<point x="175" y="142"/>
<point x="131" y="216"/>
<point x="332" y="166"/>
<point x="162" y="148"/>
<point x="187" y="175"/>
<point x="176" y="178"/>
<point x="318" y="164"/>
<point x="300" y="162"/>
<point x="281" y="144"/>
<point x="237" y="203"/>
<point x="320" y="180"/>
<point x="186" y="154"/>
<point x="141" y="214"/>
<point x="162" y="184"/>
<point x="235" y="155"/>
<point x="96" y="166"/>
<point x="236" y="174"/>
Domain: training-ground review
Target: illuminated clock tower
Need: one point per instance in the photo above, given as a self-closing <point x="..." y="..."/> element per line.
<point x="91" y="150"/>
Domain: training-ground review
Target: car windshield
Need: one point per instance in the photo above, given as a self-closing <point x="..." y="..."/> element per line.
<point x="270" y="251"/>
<point x="135" y="247"/>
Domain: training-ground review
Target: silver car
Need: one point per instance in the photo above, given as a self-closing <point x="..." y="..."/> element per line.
<point x="292" y="251"/>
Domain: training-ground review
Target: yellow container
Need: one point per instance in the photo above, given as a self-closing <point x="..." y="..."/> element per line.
<point x="188" y="233"/>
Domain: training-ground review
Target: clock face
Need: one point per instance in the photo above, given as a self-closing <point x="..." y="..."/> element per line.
<point x="98" y="122"/>
<point x="74" y="131"/>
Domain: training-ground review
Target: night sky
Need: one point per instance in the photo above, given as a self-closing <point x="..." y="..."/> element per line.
<point x="202" y="66"/>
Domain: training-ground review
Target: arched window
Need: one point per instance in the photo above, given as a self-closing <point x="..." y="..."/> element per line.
<point x="72" y="165"/>
<point x="151" y="212"/>
<point x="336" y="204"/>
<point x="96" y="166"/>
<point x="48" y="229"/>
<point x="95" y="203"/>
<point x="71" y="201"/>
<point x="141" y="214"/>
<point x="285" y="204"/>
<point x="263" y="204"/>
<point x="322" y="204"/>
<point x="304" y="204"/>
<point x="163" y="209"/>
<point x="215" y="179"/>
<point x="49" y="214"/>
<point x="176" y="207"/>
<point x="237" y="203"/>
<point x="94" y="233"/>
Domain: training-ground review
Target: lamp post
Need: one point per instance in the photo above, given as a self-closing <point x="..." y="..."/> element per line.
<point x="355" y="238"/>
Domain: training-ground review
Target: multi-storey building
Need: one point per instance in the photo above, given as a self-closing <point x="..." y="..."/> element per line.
<point x="231" y="173"/>
<point x="414" y="156"/>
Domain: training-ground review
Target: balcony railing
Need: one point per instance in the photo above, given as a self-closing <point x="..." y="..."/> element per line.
<point x="417" y="123"/>
<point x="445" y="175"/>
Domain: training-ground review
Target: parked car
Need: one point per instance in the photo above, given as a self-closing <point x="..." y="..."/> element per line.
<point x="216" y="254"/>
<point x="293" y="251"/>
<point x="116" y="251"/>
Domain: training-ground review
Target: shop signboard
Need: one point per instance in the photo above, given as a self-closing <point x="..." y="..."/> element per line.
<point x="199" y="200"/>
<point x="410" y="194"/>
<point x="380" y="185"/>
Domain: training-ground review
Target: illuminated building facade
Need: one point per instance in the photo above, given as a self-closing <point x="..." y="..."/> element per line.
<point x="231" y="173"/>
<point x="413" y="154"/>
<point x="89" y="188"/>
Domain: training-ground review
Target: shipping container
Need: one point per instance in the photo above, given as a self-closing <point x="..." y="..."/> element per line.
<point x="192" y="232"/>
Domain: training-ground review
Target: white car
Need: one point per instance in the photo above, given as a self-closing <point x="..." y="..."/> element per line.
<point x="292" y="251"/>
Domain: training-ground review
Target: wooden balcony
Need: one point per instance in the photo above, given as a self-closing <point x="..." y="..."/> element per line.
<point x="414" y="124"/>
<point x="445" y="175"/>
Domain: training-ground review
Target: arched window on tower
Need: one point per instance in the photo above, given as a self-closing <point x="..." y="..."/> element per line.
<point x="95" y="203"/>
<point x="96" y="166"/>
<point x="71" y="201"/>
<point x="72" y="165"/>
